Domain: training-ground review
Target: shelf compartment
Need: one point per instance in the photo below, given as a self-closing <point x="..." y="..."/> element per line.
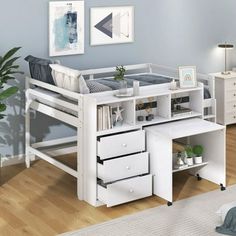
<point x="158" y="106"/>
<point x="106" y="116"/>
<point x="190" y="167"/>
<point x="191" y="101"/>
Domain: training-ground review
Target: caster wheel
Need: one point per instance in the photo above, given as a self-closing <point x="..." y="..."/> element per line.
<point x="222" y="188"/>
<point x="199" y="178"/>
<point x="169" y="203"/>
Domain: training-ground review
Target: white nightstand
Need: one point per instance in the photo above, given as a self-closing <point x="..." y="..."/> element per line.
<point x="225" y="91"/>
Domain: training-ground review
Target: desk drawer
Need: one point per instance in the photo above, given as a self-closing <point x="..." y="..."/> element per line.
<point x="230" y="106"/>
<point x="124" y="167"/>
<point x="121" y="144"/>
<point x="125" y="190"/>
<point x="230" y="95"/>
<point x="230" y="118"/>
<point x="230" y="84"/>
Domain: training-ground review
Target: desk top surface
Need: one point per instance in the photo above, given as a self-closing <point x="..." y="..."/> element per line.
<point x="184" y="128"/>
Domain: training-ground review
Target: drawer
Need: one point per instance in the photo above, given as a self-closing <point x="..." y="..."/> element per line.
<point x="124" y="167"/>
<point x="230" y="106"/>
<point x="125" y="190"/>
<point x="230" y="118"/>
<point x="230" y="84"/>
<point x="121" y="144"/>
<point x="230" y="95"/>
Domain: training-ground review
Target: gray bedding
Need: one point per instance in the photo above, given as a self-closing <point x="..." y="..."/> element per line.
<point x="229" y="226"/>
<point x="145" y="80"/>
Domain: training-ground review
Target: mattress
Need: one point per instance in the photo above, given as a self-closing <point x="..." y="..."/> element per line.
<point x="145" y="80"/>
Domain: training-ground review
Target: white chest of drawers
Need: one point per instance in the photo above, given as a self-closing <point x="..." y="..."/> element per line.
<point x="226" y="98"/>
<point x="123" y="168"/>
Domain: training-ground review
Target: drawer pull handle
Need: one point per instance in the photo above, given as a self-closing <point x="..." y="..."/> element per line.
<point x="234" y="117"/>
<point x="124" y="145"/>
<point x="234" y="84"/>
<point x="131" y="190"/>
<point x="234" y="94"/>
<point x="234" y="106"/>
<point x="128" y="167"/>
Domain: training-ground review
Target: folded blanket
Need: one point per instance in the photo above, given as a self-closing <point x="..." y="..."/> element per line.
<point x="229" y="226"/>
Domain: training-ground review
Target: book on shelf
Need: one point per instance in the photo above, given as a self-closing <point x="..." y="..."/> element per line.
<point x="182" y="111"/>
<point x="104" y="117"/>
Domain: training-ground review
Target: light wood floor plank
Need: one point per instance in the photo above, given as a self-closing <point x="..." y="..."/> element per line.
<point x="42" y="200"/>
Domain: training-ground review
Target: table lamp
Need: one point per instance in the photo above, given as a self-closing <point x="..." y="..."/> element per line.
<point x="226" y="46"/>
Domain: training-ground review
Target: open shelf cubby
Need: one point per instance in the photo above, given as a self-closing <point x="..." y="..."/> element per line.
<point x="107" y="116"/>
<point x="148" y="108"/>
<point x="152" y="110"/>
<point x="186" y="104"/>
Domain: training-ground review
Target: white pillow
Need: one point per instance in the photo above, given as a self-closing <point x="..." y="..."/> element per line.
<point x="223" y="210"/>
<point x="70" y="79"/>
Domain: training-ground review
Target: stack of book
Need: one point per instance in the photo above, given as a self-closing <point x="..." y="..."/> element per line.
<point x="104" y="117"/>
<point x="181" y="111"/>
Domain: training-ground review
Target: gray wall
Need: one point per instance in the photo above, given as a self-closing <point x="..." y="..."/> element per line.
<point x="168" y="32"/>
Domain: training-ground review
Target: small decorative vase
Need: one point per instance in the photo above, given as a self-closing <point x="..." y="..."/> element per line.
<point x="140" y="118"/>
<point x="189" y="161"/>
<point x="123" y="87"/>
<point x="198" y="160"/>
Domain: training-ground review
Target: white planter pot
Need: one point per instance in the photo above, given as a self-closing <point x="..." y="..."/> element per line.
<point x="190" y="161"/>
<point x="198" y="160"/>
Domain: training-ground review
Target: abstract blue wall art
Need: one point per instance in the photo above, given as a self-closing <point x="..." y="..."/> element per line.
<point x="110" y="25"/>
<point x="66" y="28"/>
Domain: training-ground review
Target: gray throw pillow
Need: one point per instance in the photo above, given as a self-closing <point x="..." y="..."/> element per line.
<point x="95" y="87"/>
<point x="40" y="69"/>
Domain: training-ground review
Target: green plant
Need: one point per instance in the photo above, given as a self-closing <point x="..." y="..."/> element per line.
<point x="7" y="71"/>
<point x="120" y="73"/>
<point x="198" y="150"/>
<point x="189" y="151"/>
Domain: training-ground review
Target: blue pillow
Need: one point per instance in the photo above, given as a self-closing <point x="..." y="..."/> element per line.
<point x="40" y="69"/>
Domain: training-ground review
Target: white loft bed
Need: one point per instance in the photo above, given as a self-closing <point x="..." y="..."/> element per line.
<point x="85" y="108"/>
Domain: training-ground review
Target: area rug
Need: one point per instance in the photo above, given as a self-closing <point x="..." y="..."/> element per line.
<point x="195" y="216"/>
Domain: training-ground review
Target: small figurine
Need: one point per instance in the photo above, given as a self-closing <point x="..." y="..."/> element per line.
<point x="139" y="108"/>
<point x="148" y="109"/>
<point x="119" y="118"/>
<point x="179" y="162"/>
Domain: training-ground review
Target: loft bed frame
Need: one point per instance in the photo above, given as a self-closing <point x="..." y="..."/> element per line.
<point x="86" y="108"/>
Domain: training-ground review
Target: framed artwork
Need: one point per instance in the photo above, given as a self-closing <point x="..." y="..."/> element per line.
<point x="66" y="28"/>
<point x="187" y="77"/>
<point x="111" y="25"/>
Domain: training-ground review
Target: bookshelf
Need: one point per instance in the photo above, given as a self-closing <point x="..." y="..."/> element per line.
<point x="152" y="106"/>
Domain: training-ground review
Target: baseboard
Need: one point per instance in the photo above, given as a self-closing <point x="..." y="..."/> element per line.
<point x="12" y="160"/>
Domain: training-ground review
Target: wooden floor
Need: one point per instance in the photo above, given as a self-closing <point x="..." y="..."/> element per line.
<point x="42" y="200"/>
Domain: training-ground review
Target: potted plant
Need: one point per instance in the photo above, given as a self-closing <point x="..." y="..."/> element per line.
<point x="198" y="151"/>
<point x="7" y="71"/>
<point x="189" y="153"/>
<point x="120" y="76"/>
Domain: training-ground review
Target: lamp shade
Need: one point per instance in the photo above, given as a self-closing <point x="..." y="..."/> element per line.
<point x="226" y="45"/>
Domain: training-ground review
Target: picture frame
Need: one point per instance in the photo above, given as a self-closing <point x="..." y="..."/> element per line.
<point x="187" y="76"/>
<point x="111" y="25"/>
<point x="66" y="28"/>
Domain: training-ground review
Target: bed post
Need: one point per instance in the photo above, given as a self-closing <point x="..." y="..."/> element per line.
<point x="80" y="150"/>
<point x="27" y="123"/>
